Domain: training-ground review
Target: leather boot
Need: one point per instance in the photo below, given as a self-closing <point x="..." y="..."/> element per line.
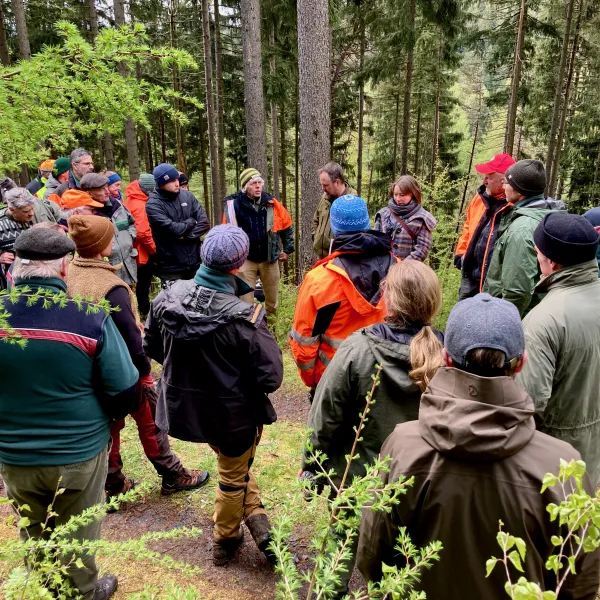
<point x="260" y="529"/>
<point x="224" y="550"/>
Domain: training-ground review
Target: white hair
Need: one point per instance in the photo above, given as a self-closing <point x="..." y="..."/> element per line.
<point x="28" y="269"/>
<point x="19" y="198"/>
<point x="257" y="178"/>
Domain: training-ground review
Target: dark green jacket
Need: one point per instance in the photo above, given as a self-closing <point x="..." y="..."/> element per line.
<point x="60" y="390"/>
<point x="514" y="270"/>
<point x="340" y="397"/>
<point x="562" y="336"/>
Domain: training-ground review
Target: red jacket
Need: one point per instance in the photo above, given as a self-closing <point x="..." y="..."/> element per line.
<point x="136" y="203"/>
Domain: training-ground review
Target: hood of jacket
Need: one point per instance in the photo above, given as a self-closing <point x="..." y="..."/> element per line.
<point x="51" y="185"/>
<point x="467" y="417"/>
<point x="572" y="276"/>
<point x="134" y="192"/>
<point x="187" y="310"/>
<point x="536" y="207"/>
<point x="366" y="243"/>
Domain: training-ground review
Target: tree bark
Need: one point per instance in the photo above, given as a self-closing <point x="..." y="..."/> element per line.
<point x="149" y="159"/>
<point x="436" y="118"/>
<point x="361" y="105"/>
<point x="18" y="9"/>
<point x="282" y="132"/>
<point x="93" y="19"/>
<point x="205" y="193"/>
<point x="256" y="131"/>
<point x="553" y="171"/>
<point x="179" y="136"/>
<point x="220" y="101"/>
<point x="417" y="141"/>
<point x="217" y="195"/>
<point x="511" y="117"/>
<point x="4" y="50"/>
<point x="297" y="183"/>
<point x="109" y="151"/>
<point x="396" y="126"/>
<point x="274" y="125"/>
<point x="408" y="90"/>
<point x="163" y="142"/>
<point x="315" y="107"/>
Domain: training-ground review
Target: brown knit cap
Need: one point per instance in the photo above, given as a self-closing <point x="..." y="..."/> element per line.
<point x="90" y="234"/>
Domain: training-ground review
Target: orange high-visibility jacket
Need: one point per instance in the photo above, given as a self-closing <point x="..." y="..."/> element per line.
<point x="475" y="210"/>
<point x="329" y="308"/>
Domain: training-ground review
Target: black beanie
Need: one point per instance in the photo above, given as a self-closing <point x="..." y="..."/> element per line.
<point x="566" y="239"/>
<point x="528" y="177"/>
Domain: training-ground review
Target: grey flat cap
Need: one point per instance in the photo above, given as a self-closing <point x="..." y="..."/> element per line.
<point x="91" y="181"/>
<point x="43" y="244"/>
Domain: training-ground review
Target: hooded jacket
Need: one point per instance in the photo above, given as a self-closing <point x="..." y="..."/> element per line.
<point x="562" y="336"/>
<point x="340" y="397"/>
<point x="321" y="225"/>
<point x="136" y="203"/>
<point x="219" y="359"/>
<point x="514" y="271"/>
<point x="476" y="459"/>
<point x="178" y="222"/>
<point x="51" y="186"/>
<point x="341" y="294"/>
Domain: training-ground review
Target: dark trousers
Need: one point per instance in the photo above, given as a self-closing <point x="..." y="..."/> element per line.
<point x="468" y="288"/>
<point x="155" y="442"/>
<point x="142" y="289"/>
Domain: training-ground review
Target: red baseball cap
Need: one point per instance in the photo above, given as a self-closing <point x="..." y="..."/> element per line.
<point x="499" y="164"/>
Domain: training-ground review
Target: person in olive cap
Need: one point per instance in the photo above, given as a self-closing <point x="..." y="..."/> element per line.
<point x="563" y="336"/>
<point x="514" y="272"/>
<point x="476" y="458"/>
<point x="55" y="426"/>
<point x="178" y="222"/>
<point x="221" y="364"/>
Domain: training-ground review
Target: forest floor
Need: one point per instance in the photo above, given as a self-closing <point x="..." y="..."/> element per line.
<point x="248" y="576"/>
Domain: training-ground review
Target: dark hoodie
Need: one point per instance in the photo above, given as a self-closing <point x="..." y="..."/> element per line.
<point x="476" y="459"/>
<point x="219" y="360"/>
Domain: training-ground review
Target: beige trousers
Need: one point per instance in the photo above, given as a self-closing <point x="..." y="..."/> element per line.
<point x="237" y="493"/>
<point x="269" y="275"/>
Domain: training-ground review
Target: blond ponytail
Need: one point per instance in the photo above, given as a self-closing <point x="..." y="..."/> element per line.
<point x="413" y="294"/>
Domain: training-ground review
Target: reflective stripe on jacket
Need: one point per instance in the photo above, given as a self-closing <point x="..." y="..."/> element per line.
<point x="329" y="308"/>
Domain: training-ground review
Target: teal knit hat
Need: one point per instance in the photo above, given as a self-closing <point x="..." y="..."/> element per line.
<point x="147" y="182"/>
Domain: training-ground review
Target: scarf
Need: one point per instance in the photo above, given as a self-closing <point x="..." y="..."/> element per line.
<point x="404" y="211"/>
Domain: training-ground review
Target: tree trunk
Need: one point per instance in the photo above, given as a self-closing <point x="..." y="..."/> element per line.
<point x="203" y="165"/>
<point x="148" y="158"/>
<point x="282" y="132"/>
<point x="558" y="100"/>
<point x="163" y="142"/>
<point x="220" y="101"/>
<point x="464" y="196"/>
<point x="370" y="185"/>
<point x="297" y="183"/>
<point x="511" y="117"/>
<point x="417" y="141"/>
<point x="436" y="118"/>
<point x="4" y="50"/>
<point x="315" y="106"/>
<point x="93" y="19"/>
<point x="408" y="90"/>
<point x="274" y="125"/>
<point x="361" y="106"/>
<point x="179" y="141"/>
<point x="396" y="120"/>
<point x="217" y="195"/>
<point x="109" y="151"/>
<point x="564" y="110"/>
<point x="597" y="167"/>
<point x="256" y="131"/>
<point x="18" y="9"/>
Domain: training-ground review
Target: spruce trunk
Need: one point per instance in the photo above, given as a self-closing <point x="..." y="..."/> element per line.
<point x="408" y="91"/>
<point x="220" y="99"/>
<point x="18" y="9"/>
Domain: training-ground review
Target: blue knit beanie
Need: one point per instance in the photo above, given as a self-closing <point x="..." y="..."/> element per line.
<point x="225" y="248"/>
<point x="165" y="173"/>
<point x="349" y="213"/>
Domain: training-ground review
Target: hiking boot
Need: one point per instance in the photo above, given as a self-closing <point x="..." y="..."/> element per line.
<point x="105" y="587"/>
<point x="224" y="550"/>
<point x="260" y="530"/>
<point x="128" y="485"/>
<point x="188" y="479"/>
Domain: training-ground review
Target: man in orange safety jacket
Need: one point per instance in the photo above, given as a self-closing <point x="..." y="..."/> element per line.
<point x="343" y="292"/>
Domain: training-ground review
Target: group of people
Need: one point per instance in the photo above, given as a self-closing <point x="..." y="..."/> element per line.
<point x="477" y="414"/>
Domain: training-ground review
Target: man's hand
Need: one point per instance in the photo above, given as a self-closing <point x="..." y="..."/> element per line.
<point x="190" y="223"/>
<point x="283" y="256"/>
<point x="7" y="258"/>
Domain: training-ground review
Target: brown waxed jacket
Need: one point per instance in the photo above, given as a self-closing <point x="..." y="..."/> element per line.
<point x="476" y="458"/>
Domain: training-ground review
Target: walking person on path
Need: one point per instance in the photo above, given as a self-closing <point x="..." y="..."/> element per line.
<point x="220" y="362"/>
